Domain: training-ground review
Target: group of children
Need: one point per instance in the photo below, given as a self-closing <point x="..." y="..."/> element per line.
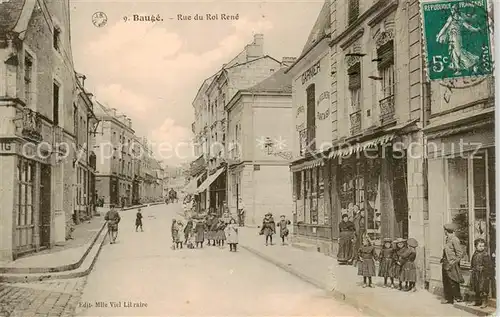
<point x="397" y="261"/>
<point x="215" y="230"/>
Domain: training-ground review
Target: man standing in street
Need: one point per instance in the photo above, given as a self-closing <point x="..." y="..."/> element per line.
<point x="241" y="212"/>
<point x="452" y="277"/>
<point x="113" y="218"/>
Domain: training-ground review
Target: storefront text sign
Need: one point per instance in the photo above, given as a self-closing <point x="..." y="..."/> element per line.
<point x="7" y="147"/>
<point x="300" y="117"/>
<point x="322" y="115"/>
<point x="310" y="73"/>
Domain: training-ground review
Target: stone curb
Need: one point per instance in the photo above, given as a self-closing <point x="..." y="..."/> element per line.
<point x="61" y="268"/>
<point x="79" y="272"/>
<point x="337" y="294"/>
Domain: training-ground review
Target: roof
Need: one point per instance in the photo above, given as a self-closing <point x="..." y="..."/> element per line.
<point x="320" y="29"/>
<point x="10" y="12"/>
<point x="277" y="82"/>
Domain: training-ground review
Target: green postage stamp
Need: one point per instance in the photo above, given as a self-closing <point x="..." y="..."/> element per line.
<point x="457" y="38"/>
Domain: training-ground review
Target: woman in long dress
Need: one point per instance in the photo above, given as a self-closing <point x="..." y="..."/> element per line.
<point x="346" y="235"/>
<point x="452" y="33"/>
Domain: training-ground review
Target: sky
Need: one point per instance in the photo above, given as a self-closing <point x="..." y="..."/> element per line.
<point x="151" y="71"/>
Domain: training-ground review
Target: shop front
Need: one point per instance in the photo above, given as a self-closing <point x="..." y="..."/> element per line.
<point x="25" y="199"/>
<point x="462" y="192"/>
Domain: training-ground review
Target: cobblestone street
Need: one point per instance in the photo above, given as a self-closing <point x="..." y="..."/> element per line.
<point x="46" y="298"/>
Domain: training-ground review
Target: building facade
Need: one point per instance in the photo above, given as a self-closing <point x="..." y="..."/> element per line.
<point x="461" y="168"/>
<point x="114" y="157"/>
<point x="258" y="172"/>
<point x="84" y="122"/>
<point x="37" y="92"/>
<point x="248" y="68"/>
<point x="373" y="159"/>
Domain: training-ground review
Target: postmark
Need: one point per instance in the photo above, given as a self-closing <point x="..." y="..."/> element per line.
<point x="457" y="37"/>
<point x="99" y="19"/>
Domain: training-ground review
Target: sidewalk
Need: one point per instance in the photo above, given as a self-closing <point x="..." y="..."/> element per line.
<point x="67" y="256"/>
<point x="344" y="283"/>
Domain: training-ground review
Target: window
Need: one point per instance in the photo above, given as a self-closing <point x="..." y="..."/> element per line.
<point x="353" y="11"/>
<point x="56" y="38"/>
<point x="55" y="103"/>
<point x="298" y="183"/>
<point x="469" y="204"/>
<point x="28" y="75"/>
<point x="311" y="116"/>
<point x="315" y="194"/>
<point x="25" y="177"/>
<point x="354" y="84"/>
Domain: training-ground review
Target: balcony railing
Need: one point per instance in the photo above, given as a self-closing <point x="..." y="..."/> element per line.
<point x="307" y="140"/>
<point x="31" y="125"/>
<point x="355" y="119"/>
<point x="387" y="110"/>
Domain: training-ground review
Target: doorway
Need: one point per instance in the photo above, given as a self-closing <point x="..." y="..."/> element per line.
<point x="45" y="205"/>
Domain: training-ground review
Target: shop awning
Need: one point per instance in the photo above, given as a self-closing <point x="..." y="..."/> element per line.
<point x="307" y="165"/>
<point x="190" y="188"/>
<point x="355" y="148"/>
<point x="210" y="179"/>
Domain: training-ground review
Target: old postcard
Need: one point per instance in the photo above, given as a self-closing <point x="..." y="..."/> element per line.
<point x="247" y="158"/>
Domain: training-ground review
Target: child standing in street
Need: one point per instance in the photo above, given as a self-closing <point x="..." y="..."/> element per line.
<point x="367" y="258"/>
<point x="232" y="234"/>
<point x="283" y="225"/>
<point x="175" y="234"/>
<point x="481" y="273"/>
<point x="401" y="253"/>
<point x="221" y="236"/>
<point x="138" y="220"/>
<point x="386" y="259"/>
<point x="409" y="269"/>
<point x="179" y="240"/>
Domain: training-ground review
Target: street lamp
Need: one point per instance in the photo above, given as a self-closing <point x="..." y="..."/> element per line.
<point x="268" y="144"/>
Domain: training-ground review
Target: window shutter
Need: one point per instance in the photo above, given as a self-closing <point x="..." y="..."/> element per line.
<point x="354" y="76"/>
<point x="386" y="54"/>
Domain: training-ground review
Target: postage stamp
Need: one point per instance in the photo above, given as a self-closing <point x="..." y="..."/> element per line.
<point x="457" y="38"/>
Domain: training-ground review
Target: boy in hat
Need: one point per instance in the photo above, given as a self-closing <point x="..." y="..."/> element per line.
<point x="452" y="277"/>
<point x="481" y="273"/>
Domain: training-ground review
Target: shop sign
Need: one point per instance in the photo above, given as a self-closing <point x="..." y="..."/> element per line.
<point x="457" y="36"/>
<point x="7" y="147"/>
<point x="322" y="115"/>
<point x="310" y="73"/>
<point x="300" y="117"/>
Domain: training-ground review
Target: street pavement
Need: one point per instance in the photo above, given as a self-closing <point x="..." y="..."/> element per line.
<point x="141" y="275"/>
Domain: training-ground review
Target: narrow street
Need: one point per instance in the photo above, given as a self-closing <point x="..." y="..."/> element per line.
<point x="142" y="270"/>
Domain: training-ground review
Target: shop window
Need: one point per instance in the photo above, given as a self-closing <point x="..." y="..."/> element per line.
<point x="298" y="183"/>
<point x="26" y="177"/>
<point x="314" y="196"/>
<point x="469" y="199"/>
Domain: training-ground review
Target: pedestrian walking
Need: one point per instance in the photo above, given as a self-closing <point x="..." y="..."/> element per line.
<point x="199" y="229"/>
<point x="283" y="225"/>
<point x="221" y="236"/>
<point x="268" y="228"/>
<point x="113" y="218"/>
<point x="386" y="262"/>
<point x="452" y="277"/>
<point x="408" y="267"/>
<point x="346" y="237"/>
<point x="481" y="273"/>
<point x="138" y="220"/>
<point x="231" y="231"/>
<point x="366" y="266"/>
<point x="176" y="234"/>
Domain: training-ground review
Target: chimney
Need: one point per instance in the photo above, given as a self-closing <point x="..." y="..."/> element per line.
<point x="129" y="122"/>
<point x="256" y="49"/>
<point x="81" y="78"/>
<point x="288" y="61"/>
<point x="90" y="95"/>
<point x="113" y="111"/>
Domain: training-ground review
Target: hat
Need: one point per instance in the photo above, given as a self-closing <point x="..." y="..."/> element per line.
<point x="269" y="214"/>
<point x="399" y="240"/>
<point x="345" y="215"/>
<point x="387" y="240"/>
<point x="450" y="227"/>
<point x="412" y="243"/>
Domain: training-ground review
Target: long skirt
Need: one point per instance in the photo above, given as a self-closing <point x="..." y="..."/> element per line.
<point x="345" y="247"/>
<point x="408" y="272"/>
<point x="385" y="269"/>
<point x="221" y="235"/>
<point x="199" y="236"/>
<point x="268" y="232"/>
<point x="395" y="270"/>
<point x="480" y="282"/>
<point x="366" y="268"/>
<point x="210" y="235"/>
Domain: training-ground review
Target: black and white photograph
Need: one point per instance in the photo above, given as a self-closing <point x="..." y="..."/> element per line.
<point x="247" y="158"/>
